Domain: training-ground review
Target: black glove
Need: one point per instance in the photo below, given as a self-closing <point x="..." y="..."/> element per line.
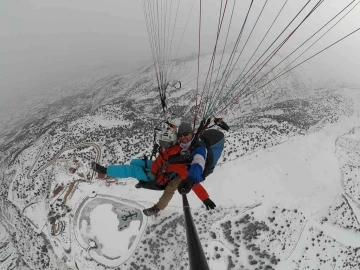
<point x="185" y="185"/>
<point x="180" y="159"/>
<point x="209" y="204"/>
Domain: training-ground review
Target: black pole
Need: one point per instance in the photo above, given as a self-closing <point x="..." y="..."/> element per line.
<point x="196" y="254"/>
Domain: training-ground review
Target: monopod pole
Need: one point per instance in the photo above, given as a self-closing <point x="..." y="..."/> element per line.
<point x="196" y="254"/>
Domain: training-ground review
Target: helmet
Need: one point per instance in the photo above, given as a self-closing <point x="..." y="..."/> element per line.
<point x="167" y="138"/>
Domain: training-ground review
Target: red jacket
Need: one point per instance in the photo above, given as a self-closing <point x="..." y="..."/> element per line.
<point x="200" y="192"/>
<point x="161" y="170"/>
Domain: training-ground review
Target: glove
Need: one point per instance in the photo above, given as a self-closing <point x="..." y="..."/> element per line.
<point x="185" y="185"/>
<point x="180" y="159"/>
<point x="209" y="204"/>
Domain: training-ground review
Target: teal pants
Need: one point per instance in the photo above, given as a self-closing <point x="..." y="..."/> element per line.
<point x="136" y="169"/>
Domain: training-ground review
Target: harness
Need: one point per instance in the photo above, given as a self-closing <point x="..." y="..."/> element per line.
<point x="147" y="173"/>
<point x="161" y="172"/>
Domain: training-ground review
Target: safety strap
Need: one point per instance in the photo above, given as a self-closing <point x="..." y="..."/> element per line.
<point x="145" y="161"/>
<point x="147" y="173"/>
<point x="161" y="171"/>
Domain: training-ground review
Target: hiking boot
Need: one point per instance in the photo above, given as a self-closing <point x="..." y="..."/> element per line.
<point x="151" y="211"/>
<point x="98" y="168"/>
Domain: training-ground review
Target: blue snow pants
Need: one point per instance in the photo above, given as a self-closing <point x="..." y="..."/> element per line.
<point x="134" y="170"/>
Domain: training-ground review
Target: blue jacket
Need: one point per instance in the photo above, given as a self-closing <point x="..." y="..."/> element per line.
<point x="196" y="169"/>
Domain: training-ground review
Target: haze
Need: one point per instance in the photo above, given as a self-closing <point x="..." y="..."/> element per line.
<point x="45" y="43"/>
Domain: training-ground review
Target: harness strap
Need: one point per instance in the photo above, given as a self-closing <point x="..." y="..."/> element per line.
<point x="147" y="173"/>
<point x="162" y="171"/>
<point x="145" y="161"/>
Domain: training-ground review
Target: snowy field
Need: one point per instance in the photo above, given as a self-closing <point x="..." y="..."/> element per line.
<point x="286" y="188"/>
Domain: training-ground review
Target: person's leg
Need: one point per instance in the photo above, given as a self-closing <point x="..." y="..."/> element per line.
<point x="125" y="171"/>
<point x="141" y="163"/>
<point x="165" y="198"/>
<point x="145" y="166"/>
<point x="168" y="193"/>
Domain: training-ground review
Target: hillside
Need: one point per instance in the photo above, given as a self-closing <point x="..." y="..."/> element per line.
<point x="286" y="185"/>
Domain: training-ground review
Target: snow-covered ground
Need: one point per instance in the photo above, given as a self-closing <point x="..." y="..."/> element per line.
<point x="286" y="188"/>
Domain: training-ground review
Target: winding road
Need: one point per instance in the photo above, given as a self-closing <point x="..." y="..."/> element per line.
<point x="84" y="144"/>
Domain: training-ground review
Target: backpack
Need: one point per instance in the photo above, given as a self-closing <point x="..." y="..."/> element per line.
<point x="214" y="141"/>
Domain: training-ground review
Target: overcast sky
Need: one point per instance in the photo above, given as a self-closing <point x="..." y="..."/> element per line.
<point x="44" y="42"/>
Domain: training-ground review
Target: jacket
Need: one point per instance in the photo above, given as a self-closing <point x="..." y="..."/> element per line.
<point x="160" y="165"/>
<point x="196" y="167"/>
<point x="162" y="170"/>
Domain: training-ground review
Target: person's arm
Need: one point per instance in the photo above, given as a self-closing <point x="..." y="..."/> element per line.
<point x="196" y="170"/>
<point x="198" y="164"/>
<point x="203" y="196"/>
<point x="200" y="192"/>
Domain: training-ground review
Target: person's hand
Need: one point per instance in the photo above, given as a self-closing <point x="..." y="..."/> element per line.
<point x="209" y="204"/>
<point x="185" y="185"/>
<point x="180" y="159"/>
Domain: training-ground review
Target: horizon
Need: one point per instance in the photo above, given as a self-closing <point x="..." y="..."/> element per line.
<point x="46" y="44"/>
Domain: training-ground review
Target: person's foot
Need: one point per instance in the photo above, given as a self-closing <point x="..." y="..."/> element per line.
<point x="98" y="168"/>
<point x="140" y="184"/>
<point x="151" y="211"/>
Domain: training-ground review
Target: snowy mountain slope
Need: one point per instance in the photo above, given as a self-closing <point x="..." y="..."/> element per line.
<point x="285" y="196"/>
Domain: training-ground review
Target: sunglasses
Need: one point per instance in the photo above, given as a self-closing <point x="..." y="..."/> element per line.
<point x="184" y="134"/>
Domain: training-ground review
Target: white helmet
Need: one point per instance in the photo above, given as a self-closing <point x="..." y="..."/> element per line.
<point x="167" y="138"/>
